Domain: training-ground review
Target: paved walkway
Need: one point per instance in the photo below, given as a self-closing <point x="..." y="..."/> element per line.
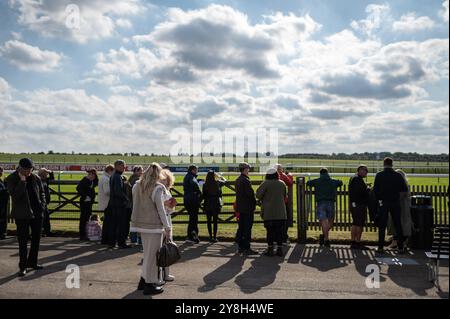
<point x="215" y="271"/>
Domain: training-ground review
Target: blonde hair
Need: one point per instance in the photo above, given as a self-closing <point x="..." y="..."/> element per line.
<point x="43" y="173"/>
<point x="401" y="172"/>
<point x="151" y="176"/>
<point x="167" y="178"/>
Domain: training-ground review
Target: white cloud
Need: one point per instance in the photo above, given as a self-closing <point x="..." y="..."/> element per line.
<point x="220" y="38"/>
<point x="410" y="23"/>
<point x="30" y="58"/>
<point x="97" y="18"/>
<point x="377" y="14"/>
<point x="124" y="23"/>
<point x="444" y="11"/>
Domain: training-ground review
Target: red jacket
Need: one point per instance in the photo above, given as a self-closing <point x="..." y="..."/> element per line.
<point x="287" y="179"/>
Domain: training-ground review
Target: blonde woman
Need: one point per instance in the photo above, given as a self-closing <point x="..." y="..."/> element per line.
<point x="149" y="218"/>
<point x="168" y="180"/>
<point x="406" y="219"/>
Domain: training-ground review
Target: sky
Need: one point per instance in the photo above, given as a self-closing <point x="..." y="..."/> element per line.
<point x="104" y="76"/>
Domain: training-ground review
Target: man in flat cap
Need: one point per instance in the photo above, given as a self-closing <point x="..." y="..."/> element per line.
<point x="28" y="204"/>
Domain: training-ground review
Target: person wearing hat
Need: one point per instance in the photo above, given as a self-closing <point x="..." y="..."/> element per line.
<point x="192" y="200"/>
<point x="28" y="203"/>
<point x="86" y="190"/>
<point x="119" y="203"/>
<point x="4" y="199"/>
<point x="288" y="179"/>
<point x="272" y="194"/>
<point x="359" y="194"/>
<point x="245" y="205"/>
<point x="46" y="177"/>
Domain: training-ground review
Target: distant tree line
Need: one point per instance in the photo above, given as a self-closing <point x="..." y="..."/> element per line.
<point x="398" y="156"/>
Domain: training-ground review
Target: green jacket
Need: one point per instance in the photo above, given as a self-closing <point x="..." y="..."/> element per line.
<point x="272" y="194"/>
<point x="325" y="188"/>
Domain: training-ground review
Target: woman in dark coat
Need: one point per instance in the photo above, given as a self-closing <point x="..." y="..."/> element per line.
<point x="212" y="195"/>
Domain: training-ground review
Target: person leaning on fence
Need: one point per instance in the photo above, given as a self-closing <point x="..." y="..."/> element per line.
<point x="245" y="205"/>
<point x="103" y="201"/>
<point x="119" y="204"/>
<point x="137" y="173"/>
<point x="4" y="199"/>
<point x="86" y="190"/>
<point x="387" y="187"/>
<point x="46" y="177"/>
<point x="28" y="202"/>
<point x="149" y="218"/>
<point x="94" y="229"/>
<point x="168" y="180"/>
<point x="192" y="201"/>
<point x="272" y="194"/>
<point x="212" y="199"/>
<point x="288" y="179"/>
<point x="359" y="193"/>
<point x="405" y="216"/>
<point x="326" y="192"/>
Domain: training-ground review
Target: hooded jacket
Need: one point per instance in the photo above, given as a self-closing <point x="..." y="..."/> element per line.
<point x="325" y="188"/>
<point x="272" y="194"/>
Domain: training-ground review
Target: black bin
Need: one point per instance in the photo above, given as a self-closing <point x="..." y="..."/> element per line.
<point x="422" y="214"/>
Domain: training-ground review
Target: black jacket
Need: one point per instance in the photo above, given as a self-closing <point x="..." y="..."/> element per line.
<point x="4" y="197"/>
<point x="86" y="188"/>
<point x="21" y="205"/>
<point x="118" y="196"/>
<point x="192" y="193"/>
<point x="358" y="191"/>
<point x="245" y="195"/>
<point x="388" y="185"/>
<point x="212" y="201"/>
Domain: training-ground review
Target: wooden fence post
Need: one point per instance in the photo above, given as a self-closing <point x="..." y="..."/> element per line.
<point x="302" y="221"/>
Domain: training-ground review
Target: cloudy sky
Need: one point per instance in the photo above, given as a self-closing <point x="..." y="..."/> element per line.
<point x="332" y="76"/>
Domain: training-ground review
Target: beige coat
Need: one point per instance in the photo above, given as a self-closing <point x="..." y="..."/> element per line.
<point x="149" y="214"/>
<point x="407" y="224"/>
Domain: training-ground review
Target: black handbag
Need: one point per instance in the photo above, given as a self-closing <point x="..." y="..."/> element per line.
<point x="168" y="254"/>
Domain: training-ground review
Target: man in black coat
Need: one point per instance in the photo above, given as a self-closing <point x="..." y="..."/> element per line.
<point x="118" y="205"/>
<point x="192" y="200"/>
<point x="86" y="190"/>
<point x="359" y="202"/>
<point x="4" y="199"/>
<point x="28" y="202"/>
<point x="245" y="205"/>
<point x="388" y="186"/>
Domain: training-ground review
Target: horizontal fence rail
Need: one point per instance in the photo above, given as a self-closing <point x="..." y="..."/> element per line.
<point x="65" y="205"/>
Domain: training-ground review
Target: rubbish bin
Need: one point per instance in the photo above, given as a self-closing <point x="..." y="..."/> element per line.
<point x="422" y="214"/>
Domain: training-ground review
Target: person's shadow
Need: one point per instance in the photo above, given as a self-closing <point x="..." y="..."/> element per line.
<point x="323" y="259"/>
<point x="223" y="274"/>
<point x="89" y="254"/>
<point x="262" y="273"/>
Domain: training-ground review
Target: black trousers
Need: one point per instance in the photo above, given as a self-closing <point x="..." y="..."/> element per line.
<point x="3" y="219"/>
<point x="193" y="210"/>
<point x="394" y="209"/>
<point x="106" y="232"/>
<point x="119" y="226"/>
<point x="245" y="230"/>
<point x="46" y="227"/>
<point x="85" y="214"/>
<point x="23" y="233"/>
<point x="275" y="231"/>
<point x="212" y="218"/>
